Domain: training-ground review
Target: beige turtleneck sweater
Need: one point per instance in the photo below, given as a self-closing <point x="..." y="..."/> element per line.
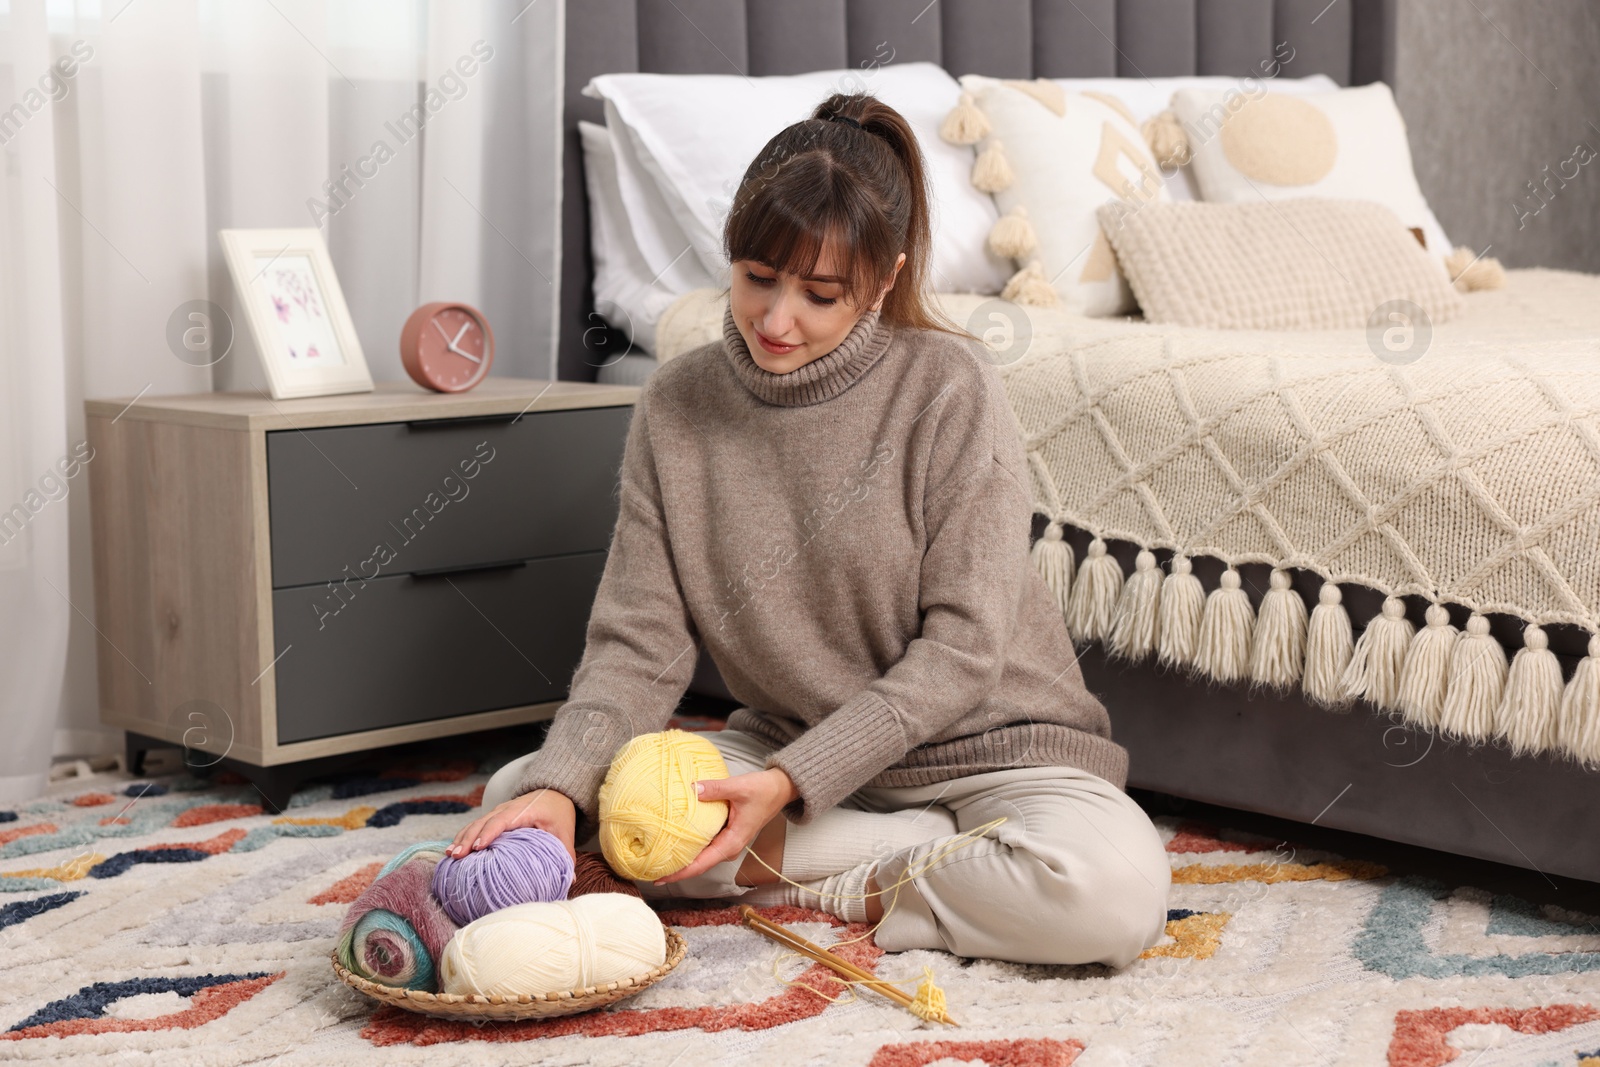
<point x="850" y="542"/>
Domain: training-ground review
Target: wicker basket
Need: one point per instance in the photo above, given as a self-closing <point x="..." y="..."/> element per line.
<point x="525" y="1006"/>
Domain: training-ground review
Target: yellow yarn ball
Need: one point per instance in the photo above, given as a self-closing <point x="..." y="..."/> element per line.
<point x="553" y="946"/>
<point x="651" y="821"/>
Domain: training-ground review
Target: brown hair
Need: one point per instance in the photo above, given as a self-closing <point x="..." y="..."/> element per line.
<point x="866" y="186"/>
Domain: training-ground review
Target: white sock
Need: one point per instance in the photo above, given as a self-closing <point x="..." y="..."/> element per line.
<point x="842" y="838"/>
<point x="842" y="894"/>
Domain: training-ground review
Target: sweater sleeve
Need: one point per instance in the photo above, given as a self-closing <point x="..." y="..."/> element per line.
<point x="977" y="517"/>
<point x="640" y="647"/>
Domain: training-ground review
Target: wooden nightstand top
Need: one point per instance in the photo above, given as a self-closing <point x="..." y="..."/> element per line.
<point x="390" y="402"/>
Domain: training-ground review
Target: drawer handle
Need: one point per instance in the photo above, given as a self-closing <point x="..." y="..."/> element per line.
<point x="465" y="420"/>
<point x="470" y="568"/>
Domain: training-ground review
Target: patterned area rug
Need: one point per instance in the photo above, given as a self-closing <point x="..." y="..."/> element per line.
<point x="170" y="919"/>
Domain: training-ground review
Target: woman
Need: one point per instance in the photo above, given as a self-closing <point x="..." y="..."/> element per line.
<point x="834" y="501"/>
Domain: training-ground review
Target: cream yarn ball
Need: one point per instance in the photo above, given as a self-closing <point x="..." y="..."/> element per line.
<point x="553" y="946"/>
<point x="651" y="821"/>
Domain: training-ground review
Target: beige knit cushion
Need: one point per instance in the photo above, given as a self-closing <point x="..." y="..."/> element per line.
<point x="1307" y="264"/>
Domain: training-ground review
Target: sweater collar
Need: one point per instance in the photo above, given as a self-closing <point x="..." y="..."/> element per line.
<point x="824" y="377"/>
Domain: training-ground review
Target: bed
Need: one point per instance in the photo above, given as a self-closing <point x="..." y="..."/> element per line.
<point x="1266" y="465"/>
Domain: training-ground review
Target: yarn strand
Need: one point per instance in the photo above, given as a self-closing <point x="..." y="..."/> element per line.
<point x="929" y="1001"/>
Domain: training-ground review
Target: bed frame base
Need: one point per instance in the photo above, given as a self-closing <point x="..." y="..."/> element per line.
<point x="1361" y="770"/>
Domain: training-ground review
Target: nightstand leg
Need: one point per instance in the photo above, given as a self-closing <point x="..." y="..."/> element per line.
<point x="133" y="753"/>
<point x="276" y="785"/>
<point x="136" y="747"/>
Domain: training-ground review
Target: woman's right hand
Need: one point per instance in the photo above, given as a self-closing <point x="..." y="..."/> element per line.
<point x="544" y="809"/>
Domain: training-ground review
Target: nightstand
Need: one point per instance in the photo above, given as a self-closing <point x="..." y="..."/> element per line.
<point x="278" y="583"/>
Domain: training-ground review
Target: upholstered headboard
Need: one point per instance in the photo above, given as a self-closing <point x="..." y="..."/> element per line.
<point x="1352" y="41"/>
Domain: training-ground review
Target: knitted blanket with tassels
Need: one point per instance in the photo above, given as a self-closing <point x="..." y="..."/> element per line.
<point x="1469" y="475"/>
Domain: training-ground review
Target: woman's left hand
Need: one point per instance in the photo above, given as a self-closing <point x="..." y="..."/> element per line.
<point x="753" y="799"/>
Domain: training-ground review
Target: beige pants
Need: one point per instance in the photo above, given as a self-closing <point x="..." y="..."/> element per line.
<point x="1076" y="873"/>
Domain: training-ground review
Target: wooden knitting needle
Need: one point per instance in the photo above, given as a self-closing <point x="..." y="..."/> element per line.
<point x="789" y="939"/>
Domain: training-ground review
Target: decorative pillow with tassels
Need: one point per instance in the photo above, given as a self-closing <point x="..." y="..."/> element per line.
<point x="1050" y="158"/>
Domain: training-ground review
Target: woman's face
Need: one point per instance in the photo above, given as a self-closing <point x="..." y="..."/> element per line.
<point x="786" y="320"/>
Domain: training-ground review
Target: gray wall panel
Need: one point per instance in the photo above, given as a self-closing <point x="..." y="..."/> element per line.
<point x="993" y="37"/>
<point x="692" y="37"/>
<point x="797" y="36"/>
<point x="1372" y="41"/>
<point x="1232" y="37"/>
<point x="1155" y="38"/>
<point x="1075" y="38"/>
<point x="910" y="27"/>
<point x="1319" y="33"/>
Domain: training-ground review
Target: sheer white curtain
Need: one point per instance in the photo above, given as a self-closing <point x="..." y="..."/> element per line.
<point x="422" y="138"/>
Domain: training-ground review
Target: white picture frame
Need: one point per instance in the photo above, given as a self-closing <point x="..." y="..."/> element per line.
<point x="287" y="290"/>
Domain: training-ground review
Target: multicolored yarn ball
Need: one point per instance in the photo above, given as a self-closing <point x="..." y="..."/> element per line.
<point x="592" y="874"/>
<point x="524" y="865"/>
<point x="553" y="947"/>
<point x="431" y="850"/>
<point x="651" y="821"/>
<point x="395" y="930"/>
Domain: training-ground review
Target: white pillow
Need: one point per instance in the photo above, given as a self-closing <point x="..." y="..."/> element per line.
<point x="1346" y="145"/>
<point x="1146" y="98"/>
<point x="626" y="293"/>
<point x="1068" y="153"/>
<point x="696" y="134"/>
<point x="656" y="232"/>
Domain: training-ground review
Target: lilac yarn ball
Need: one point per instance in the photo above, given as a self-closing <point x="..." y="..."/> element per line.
<point x="521" y="866"/>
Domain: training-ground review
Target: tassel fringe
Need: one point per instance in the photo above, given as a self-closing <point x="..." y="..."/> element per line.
<point x="1183" y="600"/>
<point x="1278" y="645"/>
<point x="1530" y="709"/>
<point x="1168" y="142"/>
<point x="1029" y="286"/>
<point x="1094" y="594"/>
<point x="1133" y="628"/>
<point x="991" y="172"/>
<point x="965" y="124"/>
<point x="1012" y="236"/>
<point x="1329" y="646"/>
<point x="1053" y="556"/>
<point x="1471" y="272"/>
<point x="1457" y="682"/>
<point x="1477" y="682"/>
<point x="1379" y="657"/>
<point x="1224" y="649"/>
<point x="1427" y="669"/>
<point x="1580" y="709"/>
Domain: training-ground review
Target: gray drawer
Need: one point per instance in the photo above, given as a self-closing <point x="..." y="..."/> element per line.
<point x="392" y="498"/>
<point x="406" y="649"/>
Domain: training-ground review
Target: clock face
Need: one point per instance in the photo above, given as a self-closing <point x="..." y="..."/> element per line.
<point x="453" y="348"/>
